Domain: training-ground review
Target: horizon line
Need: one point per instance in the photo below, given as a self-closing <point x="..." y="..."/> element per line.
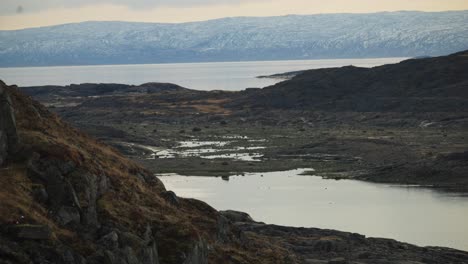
<point x="229" y="17"/>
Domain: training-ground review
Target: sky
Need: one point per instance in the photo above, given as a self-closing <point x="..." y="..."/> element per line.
<point x="17" y="14"/>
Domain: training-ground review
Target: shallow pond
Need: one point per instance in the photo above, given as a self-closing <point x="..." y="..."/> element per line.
<point x="411" y="214"/>
<point x="196" y="148"/>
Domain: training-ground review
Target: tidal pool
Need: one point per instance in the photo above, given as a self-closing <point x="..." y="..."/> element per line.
<point x="410" y="214"/>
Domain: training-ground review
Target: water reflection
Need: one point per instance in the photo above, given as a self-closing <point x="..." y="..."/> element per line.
<point x="416" y="215"/>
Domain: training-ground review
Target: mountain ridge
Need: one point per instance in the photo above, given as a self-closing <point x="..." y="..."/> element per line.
<point x="392" y="34"/>
<point x="232" y="17"/>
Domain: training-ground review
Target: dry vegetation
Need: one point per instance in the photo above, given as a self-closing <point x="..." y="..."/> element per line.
<point x="131" y="204"/>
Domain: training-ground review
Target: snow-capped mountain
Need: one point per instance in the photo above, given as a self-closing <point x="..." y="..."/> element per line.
<point x="388" y="34"/>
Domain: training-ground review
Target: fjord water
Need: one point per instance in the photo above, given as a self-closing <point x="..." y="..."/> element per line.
<point x="415" y="215"/>
<point x="201" y="76"/>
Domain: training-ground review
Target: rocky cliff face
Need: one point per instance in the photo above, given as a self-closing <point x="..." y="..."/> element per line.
<point x="67" y="198"/>
<point x="8" y="135"/>
<point x="56" y="205"/>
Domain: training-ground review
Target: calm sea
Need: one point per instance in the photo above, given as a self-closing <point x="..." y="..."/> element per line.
<point x="200" y="76"/>
<point x="416" y="215"/>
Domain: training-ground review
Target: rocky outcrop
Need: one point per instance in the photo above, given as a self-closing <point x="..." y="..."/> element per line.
<point x="3" y="147"/>
<point x="8" y="133"/>
<point x="126" y="248"/>
<point x="199" y="254"/>
<point x="236" y="216"/>
<point x="322" y="246"/>
<point x="71" y="194"/>
<point x="69" y="224"/>
<point x="171" y="197"/>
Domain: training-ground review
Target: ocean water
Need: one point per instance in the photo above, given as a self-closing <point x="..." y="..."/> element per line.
<point x="410" y="214"/>
<point x="201" y="76"/>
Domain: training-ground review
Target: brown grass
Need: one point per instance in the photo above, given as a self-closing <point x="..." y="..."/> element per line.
<point x="18" y="205"/>
<point x="131" y="204"/>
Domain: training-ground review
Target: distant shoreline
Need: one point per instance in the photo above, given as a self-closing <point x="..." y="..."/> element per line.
<point x="207" y="62"/>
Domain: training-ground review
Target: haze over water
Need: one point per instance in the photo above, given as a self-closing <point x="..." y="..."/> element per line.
<point x="201" y="76"/>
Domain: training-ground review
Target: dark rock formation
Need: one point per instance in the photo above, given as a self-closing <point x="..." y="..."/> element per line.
<point x="171" y="197"/>
<point x="8" y="134"/>
<point x="199" y="254"/>
<point x="71" y="194"/>
<point x="99" y="89"/>
<point x="236" y="216"/>
<point x="416" y="85"/>
<point x="334" y="247"/>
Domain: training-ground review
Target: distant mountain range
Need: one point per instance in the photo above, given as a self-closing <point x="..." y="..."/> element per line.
<point x="389" y="34"/>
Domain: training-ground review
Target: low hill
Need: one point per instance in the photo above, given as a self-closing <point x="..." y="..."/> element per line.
<point x="98" y="90"/>
<point x="437" y="84"/>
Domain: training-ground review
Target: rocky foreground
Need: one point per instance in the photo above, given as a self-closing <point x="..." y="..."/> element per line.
<point x="67" y="198"/>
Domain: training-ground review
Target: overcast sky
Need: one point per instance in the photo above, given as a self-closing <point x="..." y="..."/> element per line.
<point x="16" y="14"/>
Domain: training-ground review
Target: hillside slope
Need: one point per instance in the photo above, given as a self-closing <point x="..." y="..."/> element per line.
<point x="389" y="34"/>
<point x="67" y="198"/>
<point x="437" y="84"/>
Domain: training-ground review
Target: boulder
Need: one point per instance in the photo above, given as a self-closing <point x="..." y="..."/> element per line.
<point x="110" y="241"/>
<point x="39" y="193"/>
<point x="127" y="239"/>
<point x="127" y="248"/>
<point x="86" y="186"/>
<point x="70" y="257"/>
<point x="68" y="215"/>
<point x="235" y="216"/>
<point x="171" y="197"/>
<point x="59" y="189"/>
